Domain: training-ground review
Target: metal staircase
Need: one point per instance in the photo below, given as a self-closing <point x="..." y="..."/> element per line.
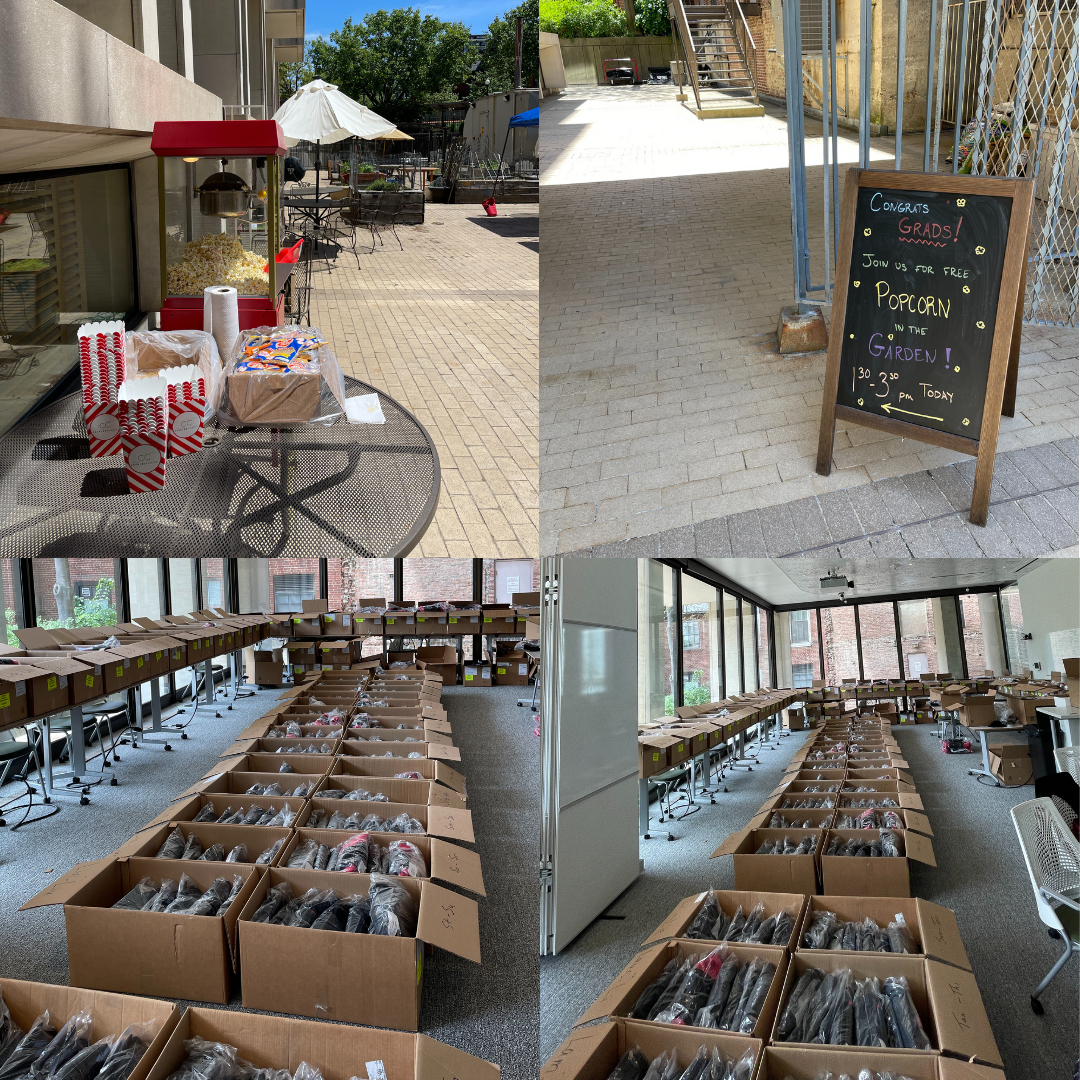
<point x="722" y="70"/>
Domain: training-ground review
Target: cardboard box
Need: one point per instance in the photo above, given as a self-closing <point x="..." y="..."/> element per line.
<point x="446" y="862"/>
<point x="1071" y="664"/>
<point x="454" y="823"/>
<point x="846" y="875"/>
<point x="512" y="670"/>
<point x="773" y="873"/>
<point x="427" y="768"/>
<point x="337" y="1051"/>
<point x="338" y="624"/>
<point x="305" y="625"/>
<point x="402" y="749"/>
<point x="403" y="791"/>
<point x="146" y="843"/>
<point x="399" y="623"/>
<point x="15" y="681"/>
<point x="476" y="674"/>
<point x="1024" y="699"/>
<point x="730" y="900"/>
<point x="431" y="623"/>
<point x="1011" y="763"/>
<point x="653" y="753"/>
<point x="934" y="928"/>
<point x="619" y="998"/>
<point x="465" y="619"/>
<point x="271" y="674"/>
<point x="781" y="1062"/>
<point x="795" y="718"/>
<point x="946" y="998"/>
<point x="112" y="1013"/>
<point x="268" y="398"/>
<point x="171" y="956"/>
<point x="592" y="1053"/>
<point x="325" y="973"/>
<point x="499" y="619"/>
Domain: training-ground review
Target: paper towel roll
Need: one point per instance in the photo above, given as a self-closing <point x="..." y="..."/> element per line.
<point x="207" y="316"/>
<point x="225" y="321"/>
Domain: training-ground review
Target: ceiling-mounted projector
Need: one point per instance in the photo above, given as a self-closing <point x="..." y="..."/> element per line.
<point x="836" y="583"/>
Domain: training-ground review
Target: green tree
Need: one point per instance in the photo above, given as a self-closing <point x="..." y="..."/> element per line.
<point x="582" y="18"/>
<point x="396" y="62"/>
<point x="651" y="17"/>
<point x="96" y="610"/>
<point x="496" y="70"/>
<point x="292" y="76"/>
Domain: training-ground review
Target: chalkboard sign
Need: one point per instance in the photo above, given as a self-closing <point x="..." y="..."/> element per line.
<point x="928" y="286"/>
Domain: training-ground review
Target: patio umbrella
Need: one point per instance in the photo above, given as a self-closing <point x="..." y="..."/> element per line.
<point x="319" y="112"/>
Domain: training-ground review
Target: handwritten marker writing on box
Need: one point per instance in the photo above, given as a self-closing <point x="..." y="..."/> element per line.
<point x="102" y="365"/>
<point x="144" y="432"/>
<point x="186" y="395"/>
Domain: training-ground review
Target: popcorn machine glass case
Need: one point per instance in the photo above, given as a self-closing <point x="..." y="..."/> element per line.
<point x="219" y="184"/>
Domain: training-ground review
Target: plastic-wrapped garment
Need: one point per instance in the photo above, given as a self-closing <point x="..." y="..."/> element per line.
<point x="901" y="939"/>
<point x="693" y="994"/>
<point x="322" y="857"/>
<point x="226" y="814"/>
<point x="371" y="823"/>
<point x="705" y="919"/>
<point x="275" y="899"/>
<point x="304" y="854"/>
<point x="359" y="915"/>
<point x="286" y="767"/>
<point x="697" y="1066"/>
<point x="256" y="789"/>
<point x="404" y="823"/>
<point x="734" y="929"/>
<point x="665" y="1067"/>
<point x="815" y="1021"/>
<point x="292" y="730"/>
<point x="282" y="819"/>
<point x="710" y="1014"/>
<point x="749" y="982"/>
<point x="890" y="844"/>
<point x="28" y="1048"/>
<point x="905" y="1027"/>
<point x="841" y="1019"/>
<point x="412" y="753"/>
<point x="237" y="885"/>
<point x="193" y="849"/>
<point x="139" y="897"/>
<point x="318" y="820"/>
<point x="207" y="813"/>
<point x="891" y="820"/>
<point x="10" y="1032"/>
<point x="174" y="845"/>
<point x="212" y="899"/>
<point x="756" y="998"/>
<point x="209" y="1061"/>
<point x="236" y="818"/>
<point x="648" y="997"/>
<point x="128" y="1050"/>
<point x="407" y="776"/>
<point x="804" y="990"/>
<point x="164" y="896"/>
<point x="238" y="854"/>
<point x="753" y="923"/>
<point x="270" y="854"/>
<point x="298" y="792"/>
<point x="393" y="908"/>
<point x="352" y="854"/>
<point x="406" y="860"/>
<point x="254" y="815"/>
<point x="188" y="892"/>
<point x="64" y="1045"/>
<point x="337" y="820"/>
<point x="214" y="853"/>
<point x="734" y="997"/>
<point x="742" y="1069"/>
<point x="785" y="924"/>
<point x="870" y="1026"/>
<point x="333" y="918"/>
<point x="719" y="928"/>
<point x="312" y="906"/>
<point x="86" y="1063"/>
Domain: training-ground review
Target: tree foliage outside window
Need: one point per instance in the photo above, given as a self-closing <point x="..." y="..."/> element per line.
<point x="96" y="610"/>
<point x="651" y="17"/>
<point x="582" y="18"/>
<point x="496" y="70"/>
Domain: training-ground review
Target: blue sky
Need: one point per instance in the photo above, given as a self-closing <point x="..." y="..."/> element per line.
<point x="323" y="16"/>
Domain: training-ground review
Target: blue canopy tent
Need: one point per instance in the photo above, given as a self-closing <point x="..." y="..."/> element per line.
<point x="529" y="118"/>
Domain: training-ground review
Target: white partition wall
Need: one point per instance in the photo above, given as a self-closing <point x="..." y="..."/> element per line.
<point x="590" y="843"/>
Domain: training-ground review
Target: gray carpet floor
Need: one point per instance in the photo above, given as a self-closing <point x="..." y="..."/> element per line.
<point x="980" y="875"/>
<point x="490" y="1010"/>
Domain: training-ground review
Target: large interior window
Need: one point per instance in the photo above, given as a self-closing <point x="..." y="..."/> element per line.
<point x="840" y="644"/>
<point x="918" y="641"/>
<point x="878" y="630"/>
<point x="1013" y="617"/>
<point x="657" y="627"/>
<point x="74" y="592"/>
<point x="65" y="259"/>
<point x="749" y="634"/>
<point x="732" y="646"/>
<point x="701" y="652"/>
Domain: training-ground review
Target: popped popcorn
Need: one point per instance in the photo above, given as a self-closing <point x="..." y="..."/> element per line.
<point x="217" y="259"/>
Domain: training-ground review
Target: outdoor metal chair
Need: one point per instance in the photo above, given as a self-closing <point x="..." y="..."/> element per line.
<point x="298" y="289"/>
<point x="1052" y="855"/>
<point x="379" y="211"/>
<point x="1068" y="760"/>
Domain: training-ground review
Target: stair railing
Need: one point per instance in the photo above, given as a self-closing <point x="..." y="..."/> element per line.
<point x="745" y="42"/>
<point x="678" y="14"/>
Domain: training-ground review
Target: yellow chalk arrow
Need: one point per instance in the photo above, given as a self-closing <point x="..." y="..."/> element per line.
<point x="890" y="409"/>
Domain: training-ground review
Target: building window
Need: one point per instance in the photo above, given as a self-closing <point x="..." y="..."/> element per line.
<point x="291" y="589"/>
<point x="802" y="676"/>
<point x="800" y="628"/>
<point x="691" y="635"/>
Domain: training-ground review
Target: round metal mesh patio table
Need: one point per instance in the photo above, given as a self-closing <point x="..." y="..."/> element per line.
<point x="367" y="490"/>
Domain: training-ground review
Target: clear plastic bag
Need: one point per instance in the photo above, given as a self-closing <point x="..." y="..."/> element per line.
<point x="276" y="898"/>
<point x="633" y="1065"/>
<point x="664" y="1067"/>
<point x="756" y="998"/>
<point x="65" y="1044"/>
<point x="238" y="854"/>
<point x="127" y="1050"/>
<point x="187" y="894"/>
<point x="753" y="922"/>
<point x="211" y="899"/>
<point x="207" y="813"/>
<point x="86" y="1063"/>
<point x="312" y="905"/>
<point x="393" y="908"/>
<point x="359" y="920"/>
<point x="406" y="860"/>
<point x="890" y="844"/>
<point x="905" y="1027"/>
<point x="901" y="939"/>
<point x="10" y="1032"/>
<point x="174" y="845"/>
<point x="710" y="1014"/>
<point x="193" y="849"/>
<point x="804" y="991"/>
<point x="404" y="823"/>
<point x="870" y="1027"/>
<point x="27" y="1049"/>
<point x="270" y="854"/>
<point x="237" y="885"/>
<point x="214" y="853"/>
<point x="139" y="897"/>
<point x="303" y="855"/>
<point x="352" y="854"/>
<point x="280" y="375"/>
<point x="164" y="896"/>
<point x="693" y="994"/>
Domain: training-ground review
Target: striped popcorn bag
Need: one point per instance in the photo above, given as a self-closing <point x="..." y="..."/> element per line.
<point x="187" y="408"/>
<point x="144" y="432"/>
<point x="103" y="368"/>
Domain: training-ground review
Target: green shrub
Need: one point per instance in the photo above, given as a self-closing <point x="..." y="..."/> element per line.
<point x="382" y="185"/>
<point x="651" y="17"/>
<point x="582" y="18"/>
<point x="366" y="167"/>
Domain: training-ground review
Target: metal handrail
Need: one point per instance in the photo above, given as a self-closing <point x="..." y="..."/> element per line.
<point x="688" y="47"/>
<point x="745" y="40"/>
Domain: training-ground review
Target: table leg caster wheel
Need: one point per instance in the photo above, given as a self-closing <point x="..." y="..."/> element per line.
<point x="183" y="734"/>
<point x="229" y="709"/>
<point x="76" y="780"/>
<point x="217" y="716"/>
<point x="726" y="792"/>
<point x="168" y="746"/>
<point x="670" y="838"/>
<point x="113" y="782"/>
<point x="46" y="799"/>
<point x="84" y="801"/>
<point x="1036" y="1007"/>
<point x="3" y="821"/>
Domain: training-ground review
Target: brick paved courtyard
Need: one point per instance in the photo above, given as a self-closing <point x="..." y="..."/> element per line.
<point x="448" y="327"/>
<point x="670" y="423"/>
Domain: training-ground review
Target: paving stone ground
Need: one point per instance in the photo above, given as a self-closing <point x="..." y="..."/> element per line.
<point x="448" y="327"/>
<point x="666" y="410"/>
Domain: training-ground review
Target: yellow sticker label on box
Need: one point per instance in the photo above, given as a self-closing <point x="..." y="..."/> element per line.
<point x="468" y="678"/>
<point x="50" y="683"/>
<point x="486" y="619"/>
<point x="5" y="701"/>
<point x="157" y="656"/>
<point x="119" y="671"/>
<point x="90" y="680"/>
<point x="656" y="757"/>
<point x="453" y="620"/>
<point x="138" y="662"/>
